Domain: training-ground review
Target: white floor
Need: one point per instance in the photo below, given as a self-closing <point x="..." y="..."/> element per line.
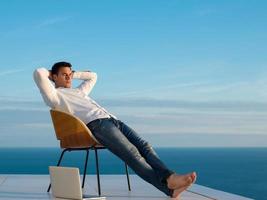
<point x="114" y="187"/>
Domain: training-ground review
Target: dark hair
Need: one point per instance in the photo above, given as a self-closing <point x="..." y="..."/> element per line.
<point x="58" y="65"/>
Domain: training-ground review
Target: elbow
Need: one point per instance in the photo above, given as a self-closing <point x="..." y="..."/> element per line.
<point x="37" y="74"/>
<point x="41" y="70"/>
<point x="92" y="76"/>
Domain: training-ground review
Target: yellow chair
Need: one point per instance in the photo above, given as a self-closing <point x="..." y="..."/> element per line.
<point x="74" y="135"/>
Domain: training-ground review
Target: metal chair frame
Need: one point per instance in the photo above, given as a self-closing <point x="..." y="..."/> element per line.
<point x="85" y="165"/>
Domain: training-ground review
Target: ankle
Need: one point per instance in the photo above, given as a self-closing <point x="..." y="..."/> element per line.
<point x="169" y="178"/>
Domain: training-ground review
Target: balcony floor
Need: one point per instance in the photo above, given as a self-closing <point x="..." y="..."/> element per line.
<point x="114" y="187"/>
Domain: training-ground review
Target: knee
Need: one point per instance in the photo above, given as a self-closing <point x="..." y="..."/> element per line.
<point x="147" y="145"/>
<point x="134" y="151"/>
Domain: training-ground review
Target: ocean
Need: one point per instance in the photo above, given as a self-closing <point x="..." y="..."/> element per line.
<point x="240" y="171"/>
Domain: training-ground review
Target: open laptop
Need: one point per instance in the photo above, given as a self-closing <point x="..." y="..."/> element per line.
<point x="66" y="184"/>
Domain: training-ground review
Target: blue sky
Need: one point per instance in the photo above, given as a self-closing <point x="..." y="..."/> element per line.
<point x="191" y="72"/>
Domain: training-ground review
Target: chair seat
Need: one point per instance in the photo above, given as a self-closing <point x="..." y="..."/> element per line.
<point x="66" y="146"/>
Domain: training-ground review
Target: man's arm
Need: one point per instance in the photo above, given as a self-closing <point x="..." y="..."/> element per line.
<point x="47" y="89"/>
<point x="89" y="80"/>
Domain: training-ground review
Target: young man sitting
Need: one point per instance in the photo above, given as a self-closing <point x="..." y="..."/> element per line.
<point x="115" y="135"/>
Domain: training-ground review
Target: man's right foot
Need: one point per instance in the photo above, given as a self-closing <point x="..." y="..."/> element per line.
<point x="176" y="181"/>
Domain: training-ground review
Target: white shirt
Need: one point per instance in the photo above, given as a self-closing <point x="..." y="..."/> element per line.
<point x="72" y="100"/>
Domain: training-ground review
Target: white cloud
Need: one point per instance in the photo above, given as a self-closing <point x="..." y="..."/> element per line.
<point x="254" y="90"/>
<point x="18" y="103"/>
<point x="35" y="125"/>
<point x="11" y="108"/>
<point x="199" y="123"/>
<point x="2" y="73"/>
<point x="27" y="27"/>
<point x="160" y="90"/>
<point x="53" y="21"/>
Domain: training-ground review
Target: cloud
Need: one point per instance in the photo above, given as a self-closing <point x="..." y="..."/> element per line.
<point x="130" y="104"/>
<point x="18" y="103"/>
<point x="161" y="89"/>
<point x="35" y="125"/>
<point x="3" y="73"/>
<point x="146" y="116"/>
<point x="209" y="105"/>
<point x="216" y="90"/>
<point x="206" y="140"/>
<point x="196" y="123"/>
<point x="26" y="28"/>
<point x="52" y="21"/>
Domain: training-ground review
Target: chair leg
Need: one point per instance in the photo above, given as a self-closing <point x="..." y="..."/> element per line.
<point x="85" y="166"/>
<point x="128" y="179"/>
<point x="97" y="172"/>
<point x="58" y="163"/>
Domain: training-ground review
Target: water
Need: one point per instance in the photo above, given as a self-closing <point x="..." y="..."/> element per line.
<point x="241" y="171"/>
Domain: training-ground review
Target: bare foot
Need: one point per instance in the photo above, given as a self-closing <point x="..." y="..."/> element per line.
<point x="177" y="192"/>
<point x="194" y="177"/>
<point x="176" y="181"/>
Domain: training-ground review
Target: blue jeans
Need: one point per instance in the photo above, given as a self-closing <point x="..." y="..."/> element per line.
<point x="138" y="154"/>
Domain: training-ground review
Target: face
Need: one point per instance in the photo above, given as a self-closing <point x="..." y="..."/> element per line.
<point x="63" y="78"/>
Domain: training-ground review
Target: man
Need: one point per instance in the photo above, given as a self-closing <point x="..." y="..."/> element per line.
<point x="119" y="138"/>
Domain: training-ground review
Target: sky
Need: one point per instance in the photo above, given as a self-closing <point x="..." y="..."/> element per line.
<point x="183" y="73"/>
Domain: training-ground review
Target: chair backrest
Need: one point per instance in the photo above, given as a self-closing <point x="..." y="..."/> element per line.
<point x="71" y="131"/>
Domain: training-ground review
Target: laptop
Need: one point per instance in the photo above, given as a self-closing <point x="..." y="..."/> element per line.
<point x="66" y="184"/>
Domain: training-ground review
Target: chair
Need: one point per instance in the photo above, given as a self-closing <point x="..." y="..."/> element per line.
<point x="74" y="135"/>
